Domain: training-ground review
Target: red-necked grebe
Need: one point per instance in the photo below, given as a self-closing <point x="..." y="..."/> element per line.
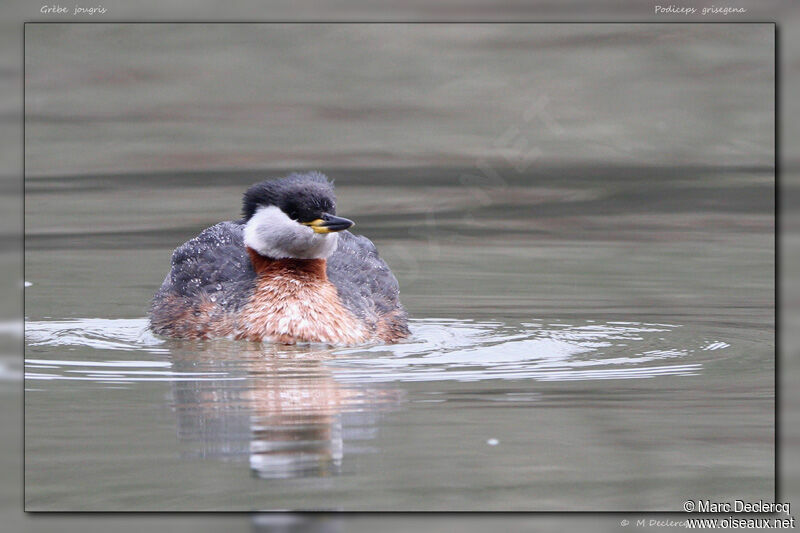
<point x="287" y="272"/>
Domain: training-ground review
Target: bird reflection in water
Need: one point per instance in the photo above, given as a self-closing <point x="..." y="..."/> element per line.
<point x="278" y="407"/>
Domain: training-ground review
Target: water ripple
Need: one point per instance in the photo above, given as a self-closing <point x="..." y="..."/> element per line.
<point x="439" y="349"/>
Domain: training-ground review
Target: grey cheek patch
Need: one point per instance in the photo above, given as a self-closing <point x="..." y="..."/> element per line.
<point x="273" y="234"/>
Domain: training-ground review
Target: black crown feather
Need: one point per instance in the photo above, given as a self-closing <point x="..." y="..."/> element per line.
<point x="302" y="196"/>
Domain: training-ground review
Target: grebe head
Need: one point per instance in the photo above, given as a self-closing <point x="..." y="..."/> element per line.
<point x="293" y="217"/>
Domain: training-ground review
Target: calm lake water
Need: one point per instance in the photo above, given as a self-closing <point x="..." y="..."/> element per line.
<point x="577" y="344"/>
<point x="592" y="317"/>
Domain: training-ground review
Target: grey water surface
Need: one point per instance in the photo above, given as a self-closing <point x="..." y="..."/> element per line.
<point x="578" y="348"/>
<point x="581" y="219"/>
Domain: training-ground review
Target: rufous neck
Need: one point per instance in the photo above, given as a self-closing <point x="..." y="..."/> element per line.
<point x="303" y="267"/>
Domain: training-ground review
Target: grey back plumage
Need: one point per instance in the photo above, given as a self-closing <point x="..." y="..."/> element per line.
<point x="214" y="263"/>
<point x="366" y="285"/>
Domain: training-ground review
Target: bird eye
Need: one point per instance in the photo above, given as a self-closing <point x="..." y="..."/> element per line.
<point x="293" y="215"/>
